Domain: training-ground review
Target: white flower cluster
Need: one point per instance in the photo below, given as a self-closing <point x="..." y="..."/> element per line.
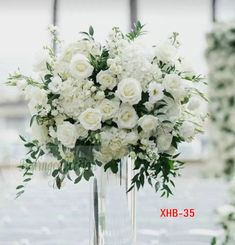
<point x="221" y="61"/>
<point x="118" y="97"/>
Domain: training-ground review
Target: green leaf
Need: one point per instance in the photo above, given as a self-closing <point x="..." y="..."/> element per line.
<point x="49" y="68"/>
<point x="157" y="186"/>
<point x="58" y="182"/>
<point x="130" y="188"/>
<point x="55" y="173"/>
<point x="28" y="161"/>
<point x="167" y="94"/>
<point x="78" y="179"/>
<point x="113" y="165"/>
<point x="213" y="241"/>
<point x="19" y="194"/>
<point x="91" y="31"/>
<point x="27" y="180"/>
<point x="22" y="138"/>
<point x="87" y="174"/>
<point x="19" y="187"/>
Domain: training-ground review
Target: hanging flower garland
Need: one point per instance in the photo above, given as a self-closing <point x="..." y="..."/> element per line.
<point x="221" y="60"/>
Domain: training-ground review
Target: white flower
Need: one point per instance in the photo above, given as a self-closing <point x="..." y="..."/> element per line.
<point x="41" y="65"/>
<point x="194" y="103"/>
<point x="67" y="134"/>
<point x="81" y="131"/>
<point x="132" y="138"/>
<point x="170" y="112"/>
<point x="39" y="133"/>
<point x="225" y="211"/>
<point x="166" y="52"/>
<point x="149" y="106"/>
<point x="84" y="47"/>
<point x="127" y="117"/>
<point x="37" y="98"/>
<point x="155" y="91"/>
<point x="55" y="85"/>
<point x="37" y="95"/>
<point x="187" y="130"/>
<point x="129" y="91"/>
<point x="99" y="95"/>
<point x="106" y="80"/>
<point x="91" y="119"/>
<point x="164" y="141"/>
<point x="174" y="85"/>
<point x="103" y="156"/>
<point x="109" y="108"/>
<point x="148" y="123"/>
<point x="80" y="67"/>
<point x="52" y="132"/>
<point x="21" y="84"/>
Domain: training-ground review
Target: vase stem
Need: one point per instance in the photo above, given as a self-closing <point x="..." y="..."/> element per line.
<point x="114" y="208"/>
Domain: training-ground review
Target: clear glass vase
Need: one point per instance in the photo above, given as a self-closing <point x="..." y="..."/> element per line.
<point x="113" y="209"/>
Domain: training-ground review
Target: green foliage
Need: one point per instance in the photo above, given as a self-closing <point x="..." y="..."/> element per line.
<point x="27" y="165"/>
<point x="136" y="32"/>
<point x="213" y="241"/>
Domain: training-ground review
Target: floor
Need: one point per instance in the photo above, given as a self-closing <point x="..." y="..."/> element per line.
<point x="45" y="216"/>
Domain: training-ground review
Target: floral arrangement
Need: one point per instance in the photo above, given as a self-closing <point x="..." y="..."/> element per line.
<point x="94" y="104"/>
<point x="221" y="60"/>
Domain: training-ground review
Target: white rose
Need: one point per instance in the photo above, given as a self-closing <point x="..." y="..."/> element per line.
<point x="39" y="133"/>
<point x="166" y="52"/>
<point x="174" y="85"/>
<point x="108" y="108"/>
<point x="132" y="138"/>
<point x="84" y="47"/>
<point x="55" y="85"/>
<point x="91" y="119"/>
<point x="148" y="123"/>
<point x="187" y="130"/>
<point x="164" y="141"/>
<point x="67" y="134"/>
<point x="127" y="117"/>
<point x="106" y="80"/>
<point x="129" y="91"/>
<point x="80" y="67"/>
<point x="155" y="91"/>
<point x="81" y="131"/>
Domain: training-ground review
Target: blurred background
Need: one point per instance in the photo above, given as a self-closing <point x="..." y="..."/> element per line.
<point x="42" y="213"/>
